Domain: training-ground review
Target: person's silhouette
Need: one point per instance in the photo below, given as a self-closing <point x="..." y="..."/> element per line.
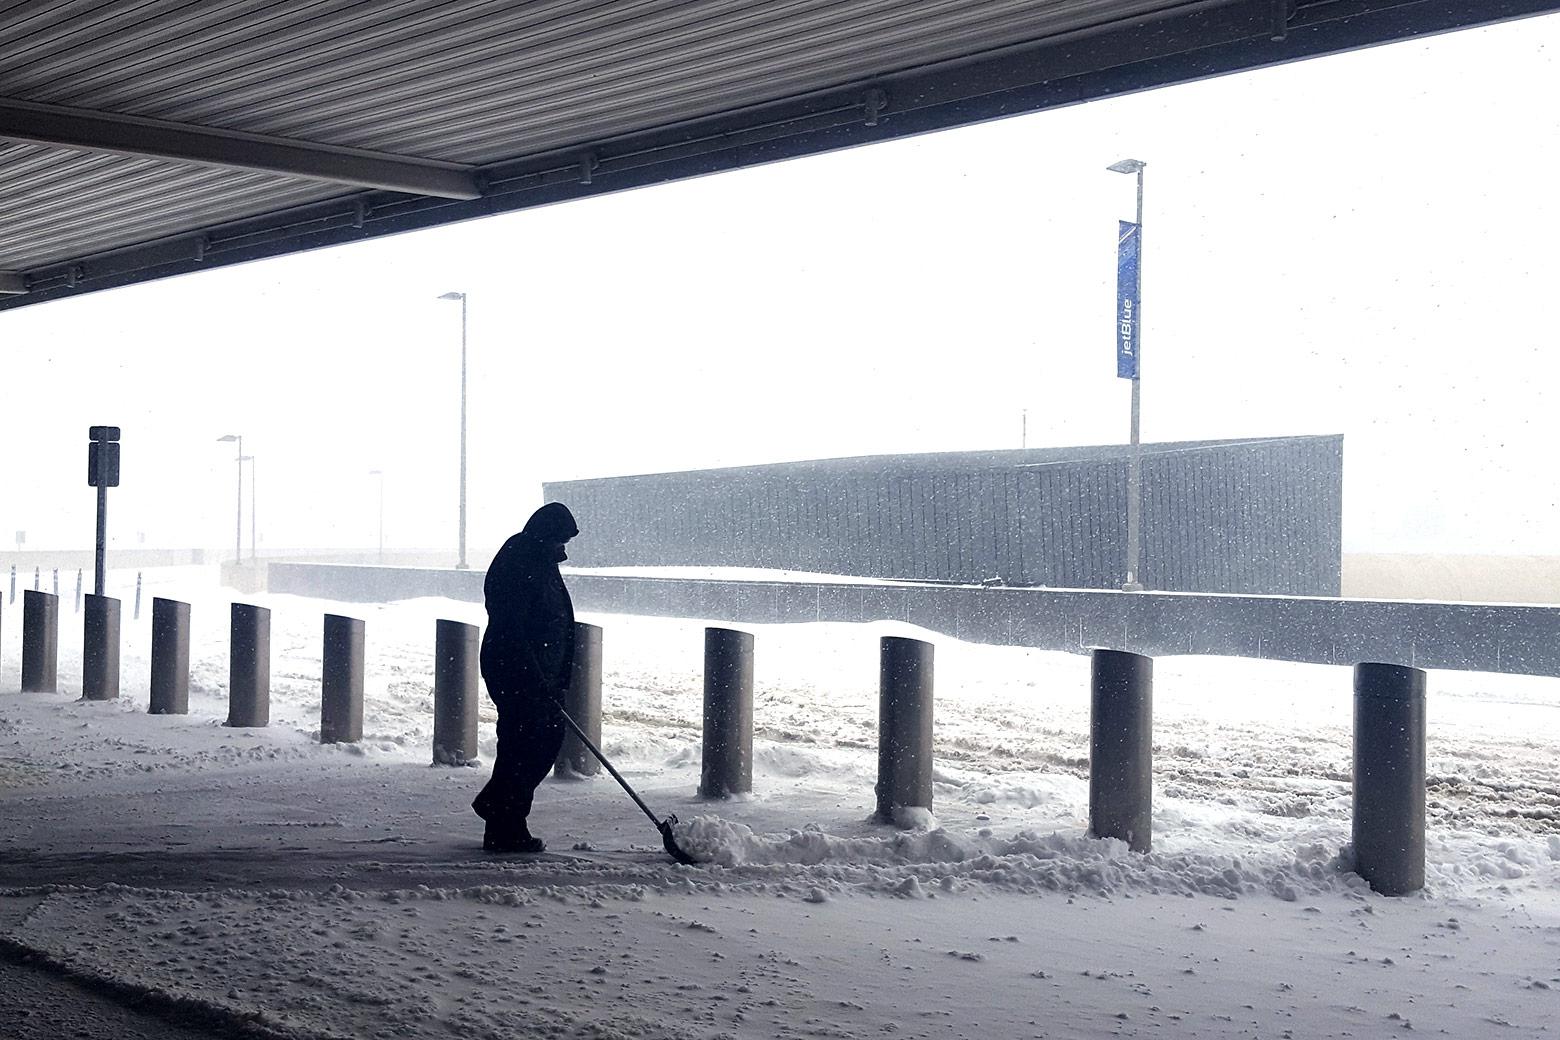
<point x="527" y="657"/>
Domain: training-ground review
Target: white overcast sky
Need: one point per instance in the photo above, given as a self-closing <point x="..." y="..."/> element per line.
<point x="1360" y="245"/>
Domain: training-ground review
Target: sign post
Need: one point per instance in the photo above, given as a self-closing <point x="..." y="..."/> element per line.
<point x="1129" y="359"/>
<point x="102" y="473"/>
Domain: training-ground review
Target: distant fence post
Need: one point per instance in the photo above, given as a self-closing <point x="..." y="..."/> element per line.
<point x="137" y="615"/>
<point x="341" y="681"/>
<point x="728" y="713"/>
<point x="1121" y="748"/>
<point x="78" y="590"/>
<point x="249" y="666"/>
<point x="40" y="642"/>
<point x="13" y="583"/>
<point x="100" y="649"/>
<point x="170" y="657"/>
<point x="455" y="672"/>
<point x="1389" y="777"/>
<point x="904" y="726"/>
<point x="583" y="703"/>
<point x="56" y="573"/>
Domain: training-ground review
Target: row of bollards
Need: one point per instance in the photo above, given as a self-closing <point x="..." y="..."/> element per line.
<point x="1389" y="717"/>
<point x="1388" y="819"/>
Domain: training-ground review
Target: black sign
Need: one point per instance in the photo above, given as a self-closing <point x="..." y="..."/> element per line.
<point x="103" y="433"/>
<point x="93" y="451"/>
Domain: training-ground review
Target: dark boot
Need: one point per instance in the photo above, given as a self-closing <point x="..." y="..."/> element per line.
<point x="497" y="838"/>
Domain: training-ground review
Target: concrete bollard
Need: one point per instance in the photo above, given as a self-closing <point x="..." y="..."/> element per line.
<point x="728" y="713"/>
<point x="40" y="642"/>
<point x="455" y="673"/>
<point x="583" y="703"/>
<point x="170" y="657"/>
<point x="904" y="727"/>
<point x="1121" y="748"/>
<point x="100" y="649"/>
<point x="341" y="681"/>
<point x="1389" y="777"/>
<point x="249" y="666"/>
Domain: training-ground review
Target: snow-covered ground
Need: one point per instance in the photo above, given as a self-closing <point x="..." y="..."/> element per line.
<point x="255" y="883"/>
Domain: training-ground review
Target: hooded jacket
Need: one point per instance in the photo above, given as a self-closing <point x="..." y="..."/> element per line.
<point x="528" y="647"/>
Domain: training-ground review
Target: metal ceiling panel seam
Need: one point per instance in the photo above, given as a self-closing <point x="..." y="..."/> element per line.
<point x="151" y="219"/>
<point x="871" y="47"/>
<point x="191" y="191"/>
<point x="310" y="55"/>
<point x="128" y="226"/>
<point x="735" y="80"/>
<point x="611" y="51"/>
<point x="623" y="111"/>
<point x="317" y="44"/>
<point x="333" y="83"/>
<point x="484" y="84"/>
<point x="620" y="86"/>
<point x="64" y="195"/>
<point x="173" y="52"/>
<point x="70" y="39"/>
<point x="716" y="86"/>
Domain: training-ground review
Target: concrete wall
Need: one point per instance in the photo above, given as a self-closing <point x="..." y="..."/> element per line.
<point x="1518" y="639"/>
<point x="117" y="559"/>
<point x="356" y="583"/>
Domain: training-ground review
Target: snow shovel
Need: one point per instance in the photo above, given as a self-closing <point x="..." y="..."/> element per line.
<point x="664" y="826"/>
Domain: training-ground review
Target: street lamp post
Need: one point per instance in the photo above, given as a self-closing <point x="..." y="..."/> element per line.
<point x="238" y="536"/>
<point x="1135" y="465"/>
<point x="381" y="475"/>
<point x="253" y="495"/>
<point x="461" y="565"/>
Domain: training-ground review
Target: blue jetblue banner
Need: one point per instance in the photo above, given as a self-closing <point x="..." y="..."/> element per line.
<point x="1127" y="303"/>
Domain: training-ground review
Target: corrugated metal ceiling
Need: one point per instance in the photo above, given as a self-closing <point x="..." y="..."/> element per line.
<point x="491" y="84"/>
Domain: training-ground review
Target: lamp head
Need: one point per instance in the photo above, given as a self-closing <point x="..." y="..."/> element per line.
<point x="1127" y="166"/>
<point x="452" y="296"/>
<point x="227" y="438"/>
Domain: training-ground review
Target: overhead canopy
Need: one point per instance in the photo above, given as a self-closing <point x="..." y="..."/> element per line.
<point x="144" y="138"/>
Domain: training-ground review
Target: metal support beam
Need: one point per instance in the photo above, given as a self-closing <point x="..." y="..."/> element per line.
<point x="83" y="129"/>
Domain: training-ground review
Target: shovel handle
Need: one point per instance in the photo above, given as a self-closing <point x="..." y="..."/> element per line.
<point x="603" y="760"/>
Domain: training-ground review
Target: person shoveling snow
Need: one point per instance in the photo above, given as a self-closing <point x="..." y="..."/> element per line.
<point x="527" y="654"/>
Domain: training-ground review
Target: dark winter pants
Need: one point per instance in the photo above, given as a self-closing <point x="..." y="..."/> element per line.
<point x="529" y="736"/>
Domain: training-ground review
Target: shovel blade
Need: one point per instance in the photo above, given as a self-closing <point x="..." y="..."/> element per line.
<point x="669" y="840"/>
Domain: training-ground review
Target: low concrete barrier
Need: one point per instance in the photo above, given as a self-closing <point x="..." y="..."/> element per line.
<point x="1460" y="636"/>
